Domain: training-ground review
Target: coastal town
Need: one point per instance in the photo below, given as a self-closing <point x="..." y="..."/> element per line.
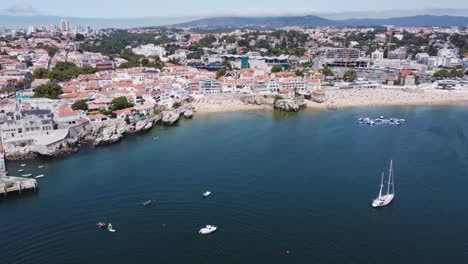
<point x="64" y="85"/>
<point x="323" y="131"/>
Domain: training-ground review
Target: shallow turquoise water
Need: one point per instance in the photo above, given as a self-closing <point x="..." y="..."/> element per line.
<point x="301" y="183"/>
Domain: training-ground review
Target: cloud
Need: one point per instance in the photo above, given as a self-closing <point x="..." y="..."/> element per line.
<point x="22" y="9"/>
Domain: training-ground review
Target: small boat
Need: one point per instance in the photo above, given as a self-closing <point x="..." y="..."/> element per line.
<point x="382" y="117"/>
<point x="156" y="138"/>
<point x="101" y="224"/>
<point x="146" y="203"/>
<point x="40" y="166"/>
<point x="23" y="165"/>
<point x="27" y="175"/>
<point x="20" y="170"/>
<point x="40" y="176"/>
<point x="206" y="194"/>
<point x="384" y="200"/>
<point x="207" y="230"/>
<point x="109" y="227"/>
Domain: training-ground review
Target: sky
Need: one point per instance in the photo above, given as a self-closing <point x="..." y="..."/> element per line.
<point x="186" y="8"/>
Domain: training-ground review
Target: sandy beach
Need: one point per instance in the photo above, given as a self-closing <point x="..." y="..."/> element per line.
<point x="224" y="103"/>
<point x="382" y="97"/>
<point x="341" y="98"/>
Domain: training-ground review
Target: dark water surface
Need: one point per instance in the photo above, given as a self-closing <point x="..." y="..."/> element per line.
<point x="301" y="183"/>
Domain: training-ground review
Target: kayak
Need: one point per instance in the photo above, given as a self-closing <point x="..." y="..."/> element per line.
<point x="109" y="227"/>
<point x="101" y="224"/>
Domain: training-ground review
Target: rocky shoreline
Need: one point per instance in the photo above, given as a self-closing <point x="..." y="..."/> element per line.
<point x="97" y="134"/>
<point x="106" y="133"/>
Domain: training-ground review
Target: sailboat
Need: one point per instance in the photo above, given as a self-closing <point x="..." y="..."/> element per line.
<point x="384" y="200"/>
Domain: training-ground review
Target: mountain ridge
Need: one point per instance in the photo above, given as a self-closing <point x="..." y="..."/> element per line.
<point x="12" y="21"/>
<point x="313" y="21"/>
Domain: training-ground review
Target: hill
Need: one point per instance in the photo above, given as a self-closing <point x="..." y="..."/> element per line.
<point x="315" y="21"/>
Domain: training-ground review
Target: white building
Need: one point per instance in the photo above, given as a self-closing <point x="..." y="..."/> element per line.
<point x="150" y="50"/>
<point x="377" y="55"/>
<point x="210" y="86"/>
<point x="64" y="26"/>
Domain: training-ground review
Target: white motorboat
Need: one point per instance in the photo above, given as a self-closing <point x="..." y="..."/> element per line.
<point x="384" y="200"/>
<point x="27" y="175"/>
<point x="206" y="194"/>
<point x="40" y="166"/>
<point x="208" y="230"/>
<point x="20" y="170"/>
<point x="40" y="176"/>
<point x="23" y="165"/>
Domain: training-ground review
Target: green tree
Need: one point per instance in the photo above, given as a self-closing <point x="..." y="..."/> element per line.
<point x="350" y="75"/>
<point x="221" y="72"/>
<point x="327" y="71"/>
<point x="65" y="71"/>
<point x="120" y="103"/>
<point x="40" y="73"/>
<point x="80" y="105"/>
<point x="299" y="73"/>
<point x="448" y="74"/>
<point x="176" y="105"/>
<point x="51" y="91"/>
<point x="79" y="37"/>
<point x="276" y="68"/>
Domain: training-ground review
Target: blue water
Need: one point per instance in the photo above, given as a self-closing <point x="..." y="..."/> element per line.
<point x="299" y="183"/>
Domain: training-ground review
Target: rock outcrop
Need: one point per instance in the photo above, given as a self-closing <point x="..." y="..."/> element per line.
<point x="290" y="105"/>
<point x="257" y="100"/>
<point x="98" y="134"/>
<point x="188" y="113"/>
<point x="170" y="117"/>
<point x="117" y="130"/>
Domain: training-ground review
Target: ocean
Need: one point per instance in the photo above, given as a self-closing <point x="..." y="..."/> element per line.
<point x="286" y="188"/>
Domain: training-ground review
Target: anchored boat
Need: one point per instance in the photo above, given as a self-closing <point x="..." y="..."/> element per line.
<point x="208" y="230"/>
<point x="384" y="200"/>
<point x="146" y="203"/>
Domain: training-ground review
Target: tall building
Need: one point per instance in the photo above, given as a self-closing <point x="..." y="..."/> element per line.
<point x="64" y="26"/>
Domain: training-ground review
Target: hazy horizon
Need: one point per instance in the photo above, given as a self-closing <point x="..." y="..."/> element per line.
<point x="140" y="9"/>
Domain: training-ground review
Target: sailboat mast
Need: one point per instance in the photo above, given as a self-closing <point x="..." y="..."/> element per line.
<point x="393" y="181"/>
<point x="381" y="185"/>
<point x="389" y="176"/>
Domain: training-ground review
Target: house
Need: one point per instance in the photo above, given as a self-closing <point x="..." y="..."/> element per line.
<point x="124" y="113"/>
<point x="145" y="109"/>
<point x="407" y="77"/>
<point x="98" y="118"/>
<point x="26" y="124"/>
<point x="68" y="116"/>
<point x="391" y="80"/>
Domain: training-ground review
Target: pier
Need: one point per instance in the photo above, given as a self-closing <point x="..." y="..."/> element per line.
<point x="10" y="184"/>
